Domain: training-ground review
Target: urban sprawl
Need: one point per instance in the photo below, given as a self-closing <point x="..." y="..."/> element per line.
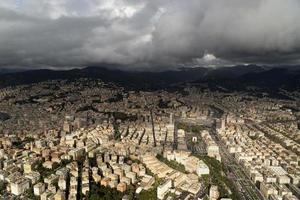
<point x="87" y="139"/>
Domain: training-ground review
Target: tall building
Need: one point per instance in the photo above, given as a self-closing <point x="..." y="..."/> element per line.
<point x="214" y="193"/>
<point x="19" y="186"/>
<point x="171" y="120"/>
<point x="67" y="127"/>
<point x="163" y="189"/>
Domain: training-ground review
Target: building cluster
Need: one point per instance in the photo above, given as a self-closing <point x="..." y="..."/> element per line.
<point x="175" y="182"/>
<point x="272" y="167"/>
<point x="59" y="154"/>
<point x="65" y="138"/>
<point x="212" y="147"/>
<point x="191" y="163"/>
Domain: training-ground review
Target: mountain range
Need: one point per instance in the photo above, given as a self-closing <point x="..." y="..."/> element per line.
<point x="236" y="77"/>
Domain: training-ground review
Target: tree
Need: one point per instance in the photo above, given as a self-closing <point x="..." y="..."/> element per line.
<point x="2" y="187"/>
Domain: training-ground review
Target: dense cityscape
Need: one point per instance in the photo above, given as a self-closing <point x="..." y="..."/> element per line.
<point x="149" y="100"/>
<point x="87" y="139"/>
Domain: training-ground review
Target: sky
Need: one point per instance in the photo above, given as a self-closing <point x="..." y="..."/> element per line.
<point x="148" y="34"/>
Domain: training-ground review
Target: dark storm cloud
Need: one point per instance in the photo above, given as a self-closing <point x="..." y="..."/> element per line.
<point x="69" y="33"/>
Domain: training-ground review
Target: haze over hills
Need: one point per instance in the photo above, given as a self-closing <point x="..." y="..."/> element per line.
<point x="237" y="77"/>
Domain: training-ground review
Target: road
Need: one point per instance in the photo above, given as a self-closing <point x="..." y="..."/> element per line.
<point x="200" y="193"/>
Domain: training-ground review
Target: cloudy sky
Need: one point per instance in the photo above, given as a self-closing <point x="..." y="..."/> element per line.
<point x="148" y="33"/>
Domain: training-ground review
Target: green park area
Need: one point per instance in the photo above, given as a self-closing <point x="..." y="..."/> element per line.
<point x="192" y="128"/>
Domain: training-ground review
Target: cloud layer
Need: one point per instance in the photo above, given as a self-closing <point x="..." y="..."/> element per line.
<point x="148" y="33"/>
